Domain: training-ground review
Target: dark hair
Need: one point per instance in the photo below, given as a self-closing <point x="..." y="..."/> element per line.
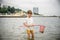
<point x="29" y="12"/>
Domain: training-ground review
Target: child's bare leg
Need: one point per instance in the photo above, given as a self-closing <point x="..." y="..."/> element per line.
<point x="28" y="33"/>
<point x="32" y="33"/>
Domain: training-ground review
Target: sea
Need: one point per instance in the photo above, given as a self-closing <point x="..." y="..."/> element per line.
<point x="13" y="28"/>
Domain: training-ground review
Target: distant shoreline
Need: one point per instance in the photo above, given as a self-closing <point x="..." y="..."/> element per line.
<point x="24" y="16"/>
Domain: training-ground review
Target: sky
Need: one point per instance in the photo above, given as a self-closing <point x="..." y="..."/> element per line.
<point x="46" y="7"/>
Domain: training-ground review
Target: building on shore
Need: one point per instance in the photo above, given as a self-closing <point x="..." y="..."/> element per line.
<point x="35" y="10"/>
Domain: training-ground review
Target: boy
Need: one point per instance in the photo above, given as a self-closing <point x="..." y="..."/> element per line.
<point x="29" y="24"/>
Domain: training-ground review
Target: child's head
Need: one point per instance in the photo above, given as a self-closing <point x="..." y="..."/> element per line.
<point x="29" y="13"/>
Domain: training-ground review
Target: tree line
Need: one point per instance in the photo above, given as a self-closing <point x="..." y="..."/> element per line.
<point x="8" y="10"/>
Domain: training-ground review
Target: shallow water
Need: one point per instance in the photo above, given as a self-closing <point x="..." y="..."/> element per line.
<point x="10" y="30"/>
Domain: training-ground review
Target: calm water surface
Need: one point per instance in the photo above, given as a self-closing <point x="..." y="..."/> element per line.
<point x="10" y="30"/>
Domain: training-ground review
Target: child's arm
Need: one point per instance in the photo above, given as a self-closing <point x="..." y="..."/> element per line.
<point x="25" y="24"/>
<point x="31" y="25"/>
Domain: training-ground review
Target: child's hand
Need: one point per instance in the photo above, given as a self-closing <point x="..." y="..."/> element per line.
<point x="32" y="25"/>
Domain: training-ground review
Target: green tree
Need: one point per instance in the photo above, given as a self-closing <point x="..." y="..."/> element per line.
<point x="12" y="10"/>
<point x="3" y="10"/>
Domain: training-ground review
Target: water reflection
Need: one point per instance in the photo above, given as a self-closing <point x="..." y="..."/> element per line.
<point x="30" y="38"/>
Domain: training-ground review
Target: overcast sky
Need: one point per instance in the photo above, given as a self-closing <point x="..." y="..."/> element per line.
<point x="46" y="7"/>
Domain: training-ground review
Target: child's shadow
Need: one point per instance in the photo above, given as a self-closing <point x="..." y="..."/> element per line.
<point x="30" y="38"/>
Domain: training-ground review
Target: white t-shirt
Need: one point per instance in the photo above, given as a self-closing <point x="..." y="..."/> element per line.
<point x="29" y="21"/>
